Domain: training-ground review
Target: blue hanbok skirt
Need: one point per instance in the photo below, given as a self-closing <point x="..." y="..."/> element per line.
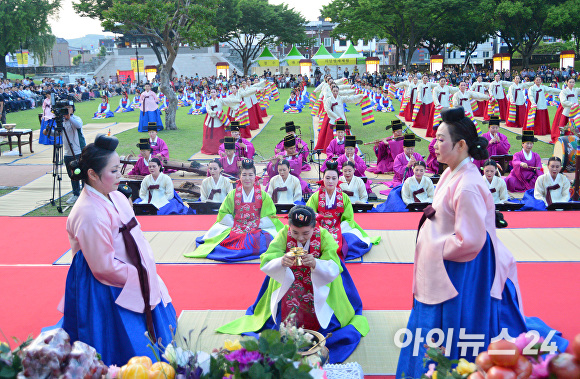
<point x="394" y="202"/>
<point x="107" y="114"/>
<point x="243" y="248"/>
<point x="91" y="316"/>
<point x="473" y="310"/>
<point x="174" y="207"/>
<point x="353" y="247"/>
<point x="150" y="116"/>
<point x="47" y="140"/>
<point x="343" y="341"/>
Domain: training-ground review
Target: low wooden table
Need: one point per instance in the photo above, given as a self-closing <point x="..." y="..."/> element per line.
<point x="18" y="133"/>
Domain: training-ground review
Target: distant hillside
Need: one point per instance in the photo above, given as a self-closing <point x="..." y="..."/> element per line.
<point x="87" y="41"/>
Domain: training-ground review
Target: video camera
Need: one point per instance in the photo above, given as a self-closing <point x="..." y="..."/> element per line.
<point x="59" y="108"/>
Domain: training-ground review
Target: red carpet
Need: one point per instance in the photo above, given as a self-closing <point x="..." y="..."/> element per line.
<point x="30" y="294"/>
<point x="33" y="293"/>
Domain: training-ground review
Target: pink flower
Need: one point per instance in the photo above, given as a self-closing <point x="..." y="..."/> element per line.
<point x="524" y="339"/>
<point x="540" y="367"/>
<point x="308" y="297"/>
<point x="245" y="358"/>
<point x="293" y="303"/>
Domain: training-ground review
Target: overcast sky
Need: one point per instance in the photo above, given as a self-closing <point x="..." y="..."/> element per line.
<point x="70" y="25"/>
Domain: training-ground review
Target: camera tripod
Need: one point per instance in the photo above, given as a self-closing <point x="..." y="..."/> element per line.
<point x="57" y="162"/>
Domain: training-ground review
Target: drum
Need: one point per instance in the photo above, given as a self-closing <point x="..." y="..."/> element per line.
<point x="565" y="149"/>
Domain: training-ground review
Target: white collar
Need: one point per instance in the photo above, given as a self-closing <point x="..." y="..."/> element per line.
<point x="231" y="161"/>
<point x="463" y="162"/>
<point x="418" y="182"/>
<point x="406" y="157"/>
<point x="306" y="246"/>
<point x="490" y="185"/>
<point x="554" y="181"/>
<point x="99" y="194"/>
<point x="528" y="157"/>
<point x="218" y="181"/>
<point x="247" y="198"/>
<point x="154" y="140"/>
<point x="330" y="200"/>
<point x="287" y="181"/>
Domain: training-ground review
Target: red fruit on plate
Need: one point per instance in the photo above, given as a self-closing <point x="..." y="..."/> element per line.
<point x="503" y="353"/>
<point x="576" y="347"/>
<point x="523" y="368"/>
<point x="483" y="361"/>
<point x="564" y="366"/>
<point x="497" y="372"/>
<point x="475" y="375"/>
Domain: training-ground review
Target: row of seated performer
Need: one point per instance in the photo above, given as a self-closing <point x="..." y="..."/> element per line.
<point x="247" y="221"/>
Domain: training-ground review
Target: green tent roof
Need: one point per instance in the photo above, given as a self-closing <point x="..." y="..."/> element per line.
<point x="322" y="53"/>
<point x="266" y="55"/>
<point x="294" y="54"/>
<point x="351" y="52"/>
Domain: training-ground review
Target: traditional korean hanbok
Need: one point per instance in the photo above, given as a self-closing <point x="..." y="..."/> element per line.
<point x="149" y="111"/>
<point x="539" y="107"/>
<point x="161" y="194"/>
<point x="287" y="191"/>
<point x="162" y="102"/>
<point x="295" y="170"/>
<point x="463" y="99"/>
<point x="432" y="162"/>
<point x="335" y="111"/>
<point x="481" y="88"/>
<point x="497" y="92"/>
<point x="498" y="189"/>
<point x="517" y="98"/>
<point x="124" y="105"/>
<point x="465" y="280"/>
<point x="403" y="172"/>
<point x="497" y="148"/>
<point x="426" y="109"/>
<point x="198" y="107"/>
<point x="324" y="299"/>
<point x="245" y="226"/>
<point x="213" y="126"/>
<point x="141" y="167"/>
<point x="386" y="153"/>
<point x="441" y="101"/>
<point x="568" y="98"/>
<point x="417" y="192"/>
<point x="293" y="105"/>
<point x="301" y="147"/>
<point x="244" y="152"/>
<point x="159" y="146"/>
<point x="103" y="111"/>
<point x="355" y="189"/>
<point x="522" y="179"/>
<point x="104" y="302"/>
<point x="136" y="103"/>
<point x="551" y="191"/>
<point x="360" y="168"/>
<point x="47" y="122"/>
<point x="230" y="166"/>
<point x="338" y="218"/>
<point x="215" y="192"/>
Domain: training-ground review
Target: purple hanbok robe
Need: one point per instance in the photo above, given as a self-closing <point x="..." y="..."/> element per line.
<point x="248" y="152"/>
<point x="302" y="147"/>
<point x="386" y="154"/>
<point x="432" y="163"/>
<point x="400" y="166"/>
<point x="500" y="148"/>
<point x="522" y="179"/>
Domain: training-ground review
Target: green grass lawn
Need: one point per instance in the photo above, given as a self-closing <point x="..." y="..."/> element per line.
<point x="7" y="190"/>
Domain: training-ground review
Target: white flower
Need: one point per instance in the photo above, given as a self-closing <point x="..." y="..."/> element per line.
<point x="177" y="355"/>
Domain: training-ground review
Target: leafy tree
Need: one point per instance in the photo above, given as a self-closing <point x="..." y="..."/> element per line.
<point x="166" y="24"/>
<point x="249" y="25"/>
<point x="522" y="24"/>
<point x="102" y="51"/>
<point x="41" y="46"/>
<point x="564" y="21"/>
<point x="77" y="59"/>
<point x="23" y="21"/>
<point x="405" y="23"/>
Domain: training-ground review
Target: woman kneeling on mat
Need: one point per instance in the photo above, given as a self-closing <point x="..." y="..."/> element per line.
<point x="316" y="288"/>
<point x="113" y="293"/>
<point x="245" y="225"/>
<point x="337" y="216"/>
<point x="157" y="189"/>
<point x="465" y="280"/>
